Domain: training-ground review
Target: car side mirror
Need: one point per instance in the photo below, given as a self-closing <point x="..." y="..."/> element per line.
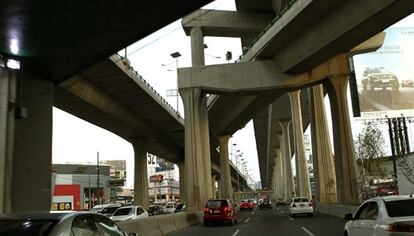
<point x="349" y="216"/>
<point x="132" y="234"/>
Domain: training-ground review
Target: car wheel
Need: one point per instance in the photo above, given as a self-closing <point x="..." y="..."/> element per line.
<point x="345" y="233"/>
<point x="205" y="223"/>
<point x="310" y="214"/>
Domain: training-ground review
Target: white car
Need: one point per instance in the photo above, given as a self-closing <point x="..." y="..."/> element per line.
<point x="300" y="205"/>
<point x="58" y="224"/>
<point x="129" y="213"/>
<point x="169" y="207"/>
<point x="379" y="216"/>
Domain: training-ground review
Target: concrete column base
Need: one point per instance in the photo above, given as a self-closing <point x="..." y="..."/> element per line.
<point x="290" y="190"/>
<point x="140" y="173"/>
<point x="324" y="169"/>
<point x="225" y="177"/>
<point x="345" y="163"/>
<point x="302" y="174"/>
<point x="197" y="146"/>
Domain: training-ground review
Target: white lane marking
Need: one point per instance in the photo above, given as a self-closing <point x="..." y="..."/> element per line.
<point x="252" y="212"/>
<point x="307" y="231"/>
<point x="235" y="233"/>
<point x="282" y="212"/>
<point x="290" y="218"/>
<point x="277" y="208"/>
<point x="247" y="220"/>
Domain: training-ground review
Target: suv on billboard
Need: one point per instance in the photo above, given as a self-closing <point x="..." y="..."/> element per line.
<point x="379" y="78"/>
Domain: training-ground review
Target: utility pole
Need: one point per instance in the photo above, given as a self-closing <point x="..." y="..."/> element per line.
<point x="97" y="179"/>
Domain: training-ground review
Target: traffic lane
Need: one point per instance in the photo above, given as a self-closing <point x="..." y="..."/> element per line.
<point x="216" y="229"/>
<point x="271" y="222"/>
<point x="319" y="224"/>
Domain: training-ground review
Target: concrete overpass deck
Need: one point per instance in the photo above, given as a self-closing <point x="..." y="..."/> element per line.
<point x="113" y="96"/>
<point x="296" y="40"/>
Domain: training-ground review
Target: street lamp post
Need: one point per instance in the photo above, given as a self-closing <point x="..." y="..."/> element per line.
<point x="176" y="55"/>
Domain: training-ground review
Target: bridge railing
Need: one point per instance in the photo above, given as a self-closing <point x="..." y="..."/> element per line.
<point x="130" y="68"/>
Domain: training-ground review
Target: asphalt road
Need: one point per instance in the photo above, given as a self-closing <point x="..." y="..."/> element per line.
<point x="271" y="222"/>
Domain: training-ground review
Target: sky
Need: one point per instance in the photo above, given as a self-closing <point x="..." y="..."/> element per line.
<point x="77" y="141"/>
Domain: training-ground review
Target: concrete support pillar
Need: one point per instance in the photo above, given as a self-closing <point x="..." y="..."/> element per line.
<point x="197" y="149"/>
<point x="302" y="174"/>
<point x="345" y="163"/>
<point x="7" y="110"/>
<point x="279" y="174"/>
<point x="181" y="167"/>
<point x="26" y="142"/>
<point x="140" y="173"/>
<point x="225" y="176"/>
<point x="323" y="162"/>
<point x="213" y="185"/>
<point x="197" y="47"/>
<point x="290" y="190"/>
<point x="281" y="154"/>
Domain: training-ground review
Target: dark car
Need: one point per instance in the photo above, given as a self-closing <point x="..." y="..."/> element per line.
<point x="109" y="210"/>
<point x="265" y="205"/>
<point x="58" y="223"/>
<point x="154" y="210"/>
<point x="220" y="210"/>
<point x="180" y="207"/>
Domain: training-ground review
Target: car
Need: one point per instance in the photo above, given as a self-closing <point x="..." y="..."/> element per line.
<point x="180" y="207"/>
<point x="247" y="205"/>
<point x="169" y="207"/>
<point x="99" y="208"/>
<point x="220" y="211"/>
<point x="281" y="201"/>
<point x="265" y="204"/>
<point x="300" y="205"/>
<point x="373" y="78"/>
<point x="407" y="83"/>
<point x="109" y="210"/>
<point x="380" y="216"/>
<point x="129" y="213"/>
<point x="66" y="223"/>
<point x="154" y="210"/>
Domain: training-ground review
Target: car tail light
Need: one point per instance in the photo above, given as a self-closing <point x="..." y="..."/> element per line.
<point x="293" y="205"/>
<point x="206" y="210"/>
<point x="310" y="203"/>
<point x="400" y="227"/>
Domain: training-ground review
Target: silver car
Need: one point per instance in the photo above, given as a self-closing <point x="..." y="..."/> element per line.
<point x="58" y="224"/>
<point x="390" y="215"/>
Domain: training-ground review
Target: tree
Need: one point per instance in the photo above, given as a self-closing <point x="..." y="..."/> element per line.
<point x="370" y="152"/>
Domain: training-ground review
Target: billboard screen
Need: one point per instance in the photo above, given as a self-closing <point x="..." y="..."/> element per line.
<point x="385" y="78"/>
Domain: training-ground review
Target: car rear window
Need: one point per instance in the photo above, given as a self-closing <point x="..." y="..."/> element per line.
<point x="109" y="210"/>
<point x="26" y="228"/>
<point x="301" y="200"/>
<point x="216" y="203"/>
<point x="123" y="211"/>
<point x="400" y="208"/>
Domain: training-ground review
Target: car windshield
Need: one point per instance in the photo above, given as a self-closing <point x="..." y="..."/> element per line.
<point x="109" y="210"/>
<point x="400" y="208"/>
<point x="123" y="211"/>
<point x="301" y="200"/>
<point x="26" y="228"/>
<point x="216" y="203"/>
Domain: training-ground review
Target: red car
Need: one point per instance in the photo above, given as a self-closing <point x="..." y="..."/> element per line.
<point x="220" y="210"/>
<point x="247" y="205"/>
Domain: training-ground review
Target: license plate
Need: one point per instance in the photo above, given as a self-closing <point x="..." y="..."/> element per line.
<point x="216" y="211"/>
<point x="302" y="205"/>
<point x="385" y="80"/>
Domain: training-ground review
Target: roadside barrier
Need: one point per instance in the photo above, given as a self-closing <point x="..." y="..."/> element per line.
<point x="162" y="224"/>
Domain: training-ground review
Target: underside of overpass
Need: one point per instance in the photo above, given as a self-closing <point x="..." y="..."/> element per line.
<point x="296" y="36"/>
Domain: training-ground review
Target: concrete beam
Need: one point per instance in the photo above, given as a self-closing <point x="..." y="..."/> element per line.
<point x="256" y="77"/>
<point x="226" y="23"/>
<point x="297" y="50"/>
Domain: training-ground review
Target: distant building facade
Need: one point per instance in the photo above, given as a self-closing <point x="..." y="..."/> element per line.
<point x="75" y="187"/>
